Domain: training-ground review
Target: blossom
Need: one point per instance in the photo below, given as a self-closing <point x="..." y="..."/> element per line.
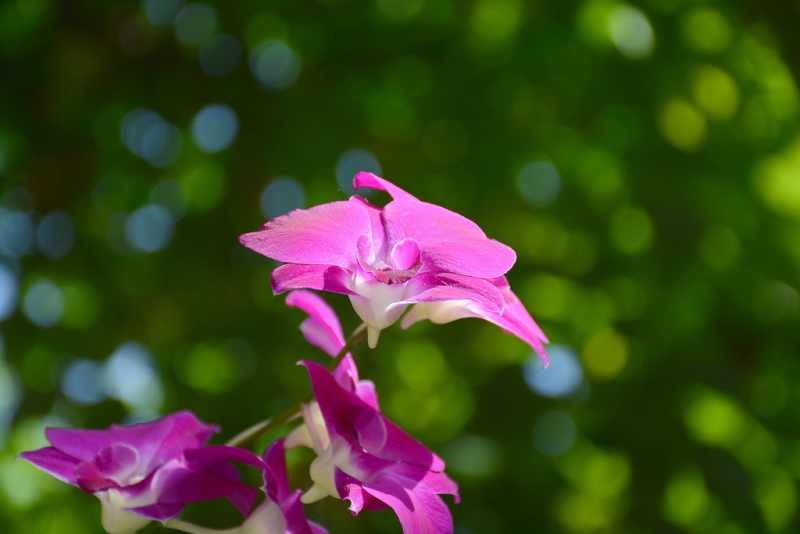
<point x="281" y="512"/>
<point x="384" y="259"/>
<point x="365" y="458"/>
<point x="146" y="471"/>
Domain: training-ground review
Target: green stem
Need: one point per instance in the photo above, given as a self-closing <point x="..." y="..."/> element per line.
<point x="249" y="436"/>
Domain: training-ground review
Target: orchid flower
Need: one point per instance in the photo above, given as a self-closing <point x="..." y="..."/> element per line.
<point x="365" y="458"/>
<point x="281" y="512"/>
<point x="146" y="471"/>
<point x="384" y="259"/>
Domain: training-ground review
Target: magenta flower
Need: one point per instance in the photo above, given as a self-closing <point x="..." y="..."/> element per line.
<point x="365" y="458"/>
<point x="146" y="471"/>
<point x="281" y="512"/>
<point x="384" y="259"/>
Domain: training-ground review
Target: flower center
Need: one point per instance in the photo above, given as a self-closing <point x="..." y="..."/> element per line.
<point x="402" y="263"/>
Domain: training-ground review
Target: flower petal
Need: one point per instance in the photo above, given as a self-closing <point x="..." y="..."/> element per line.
<point x="322" y="328"/>
<point x="372" y="181"/>
<point x="52" y="461"/>
<point x="180" y="486"/>
<point x="321" y="235"/>
<point x="112" y="466"/>
<point x="418" y="508"/>
<point x="321" y="277"/>
<point x="514" y="318"/>
<point x="435" y="287"/>
<point x="155" y="442"/>
<point x="448" y="242"/>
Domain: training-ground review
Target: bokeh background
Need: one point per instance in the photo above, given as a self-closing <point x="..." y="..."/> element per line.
<point x="643" y="159"/>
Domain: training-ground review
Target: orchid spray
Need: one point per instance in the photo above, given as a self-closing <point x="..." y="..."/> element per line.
<point x="407" y="255"/>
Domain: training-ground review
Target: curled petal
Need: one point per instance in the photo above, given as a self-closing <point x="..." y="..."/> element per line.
<point x="513" y="319"/>
<point x="322" y="277"/>
<point x="419" y="509"/>
<point x="322" y="328"/>
<point x="371" y="181"/>
<point x="448" y="241"/>
<point x="436" y="287"/>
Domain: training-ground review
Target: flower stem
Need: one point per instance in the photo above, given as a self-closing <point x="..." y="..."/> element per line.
<point x="248" y="436"/>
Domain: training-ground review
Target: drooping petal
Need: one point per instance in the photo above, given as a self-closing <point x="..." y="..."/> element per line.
<point x="352" y="490"/>
<point x="448" y="242"/>
<point x="54" y="462"/>
<point x="372" y="181"/>
<point x="419" y="509"/>
<point x="513" y="319"/>
<point x="322" y="328"/>
<point x="436" y="287"/>
<point x="322" y="277"/>
<point x="321" y="235"/>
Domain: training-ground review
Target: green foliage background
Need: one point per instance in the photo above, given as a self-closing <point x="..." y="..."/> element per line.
<point x="668" y="262"/>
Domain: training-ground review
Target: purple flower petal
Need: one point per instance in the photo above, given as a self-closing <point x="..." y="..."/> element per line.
<point x="435" y="287"/>
<point x="306" y="236"/>
<point x="113" y="466"/>
<point x="277" y="488"/>
<point x="419" y="509"/>
<point x="178" y="485"/>
<point x="371" y="181"/>
<point x="54" y="462"/>
<point x="155" y="442"/>
<point x="513" y="318"/>
<point x="322" y="328"/>
<point x="322" y="277"/>
<point x="448" y="242"/>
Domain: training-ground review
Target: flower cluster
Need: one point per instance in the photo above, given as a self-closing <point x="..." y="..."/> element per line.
<point x="407" y="254"/>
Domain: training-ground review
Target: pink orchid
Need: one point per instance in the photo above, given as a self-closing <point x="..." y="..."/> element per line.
<point x="384" y="259"/>
<point x="146" y="471"/>
<point x="365" y="458"/>
<point x="281" y="512"/>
